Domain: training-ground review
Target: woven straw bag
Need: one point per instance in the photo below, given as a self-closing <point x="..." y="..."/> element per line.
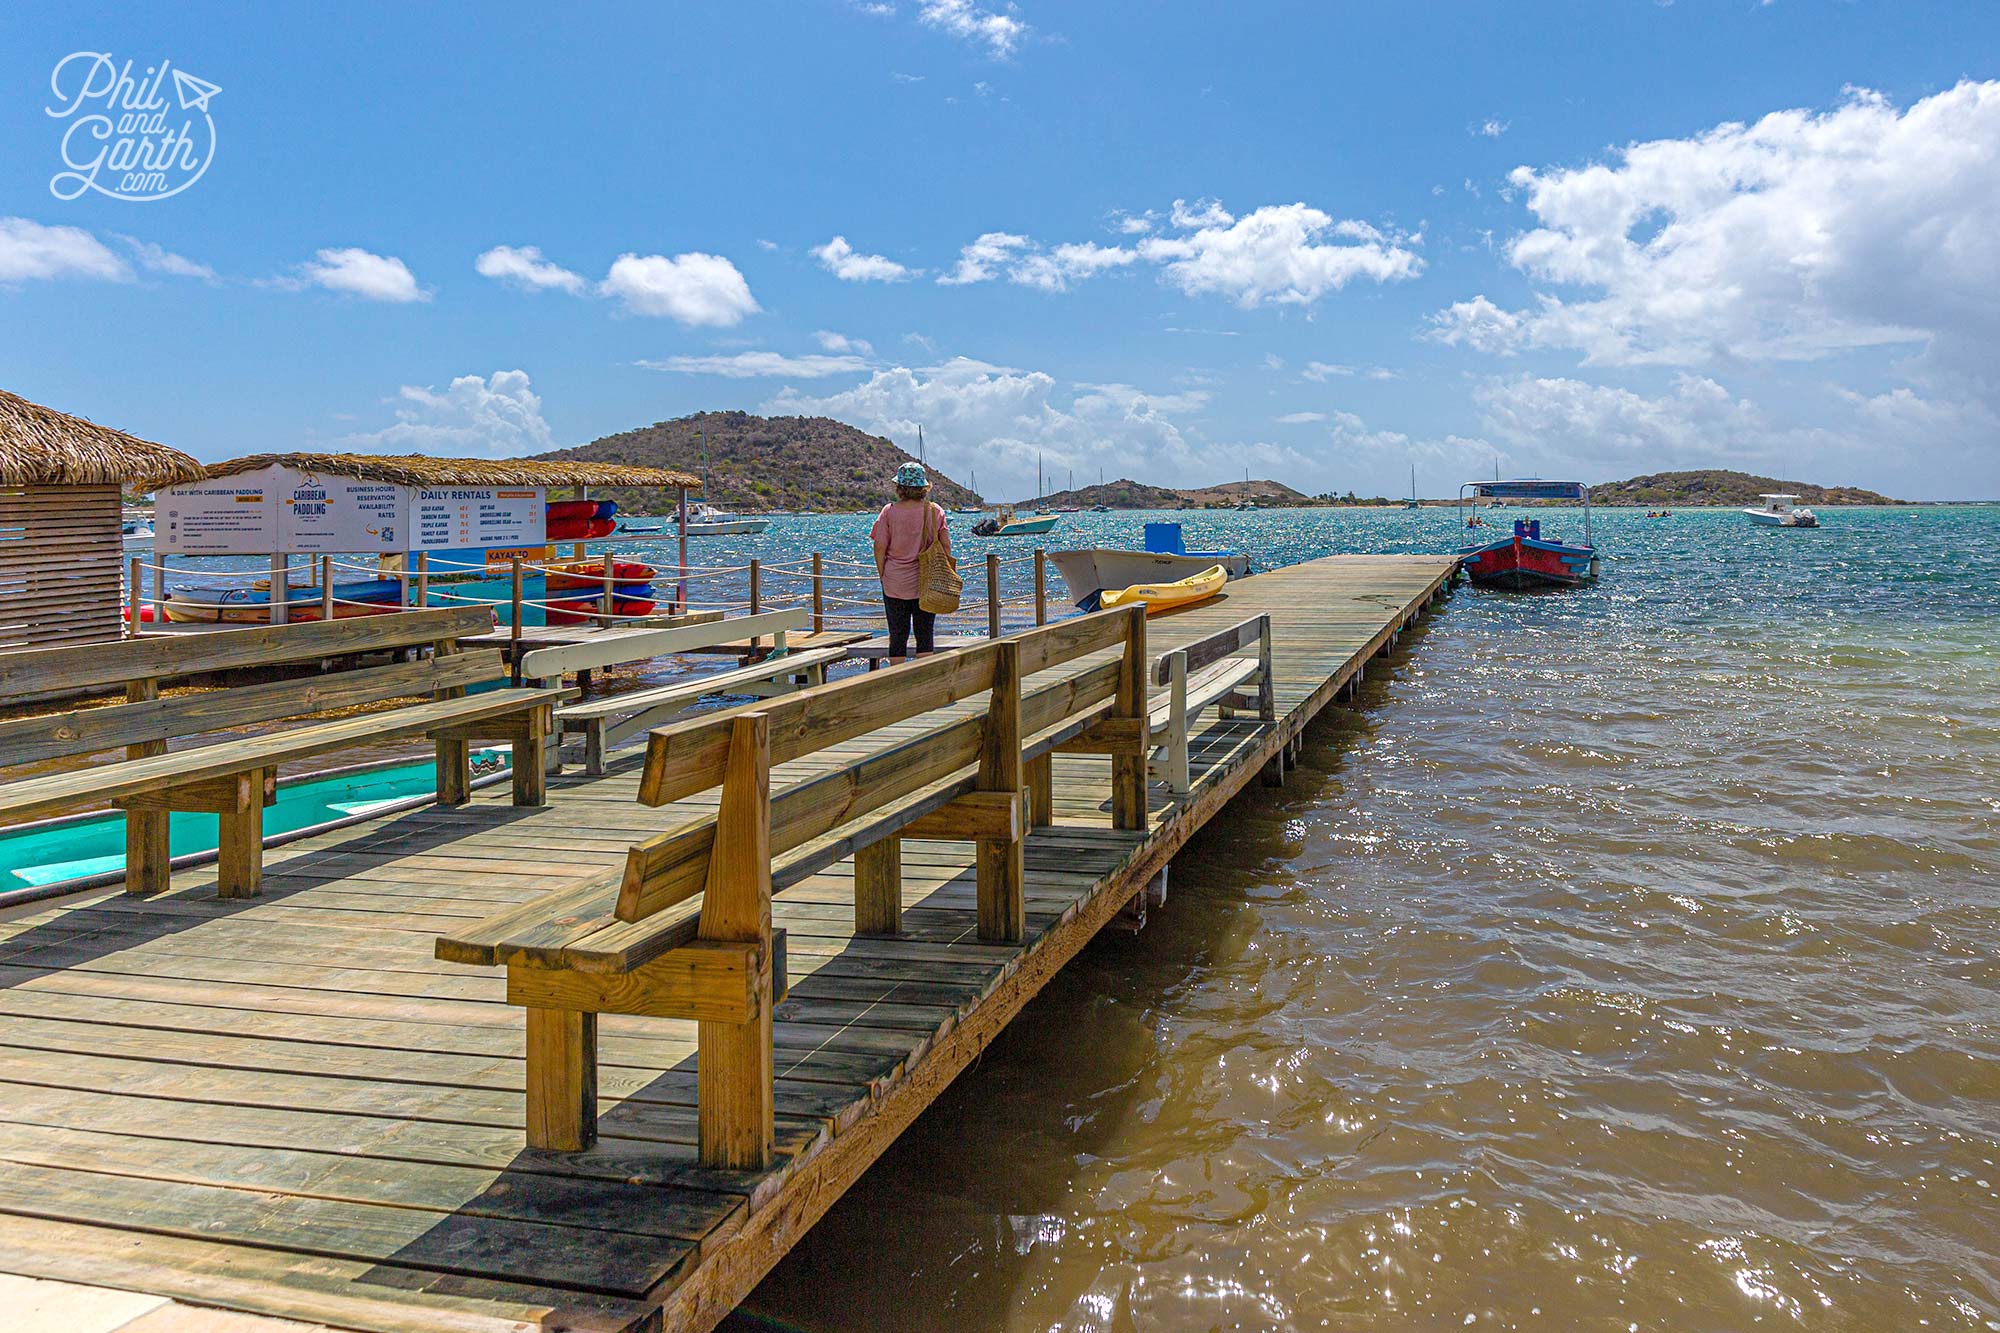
<point x="938" y="583"/>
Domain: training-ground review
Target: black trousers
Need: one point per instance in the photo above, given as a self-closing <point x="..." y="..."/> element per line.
<point x="903" y="611"/>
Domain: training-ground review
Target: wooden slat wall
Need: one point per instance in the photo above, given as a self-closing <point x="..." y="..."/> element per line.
<point x="60" y="558"/>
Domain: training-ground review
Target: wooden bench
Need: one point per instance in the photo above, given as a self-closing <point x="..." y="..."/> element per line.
<point x="234" y="777"/>
<point x="608" y="721"/>
<point x="685" y="931"/>
<point x="1203" y="675"/>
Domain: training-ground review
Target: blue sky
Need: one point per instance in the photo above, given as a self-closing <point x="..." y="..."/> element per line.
<point x="1174" y="241"/>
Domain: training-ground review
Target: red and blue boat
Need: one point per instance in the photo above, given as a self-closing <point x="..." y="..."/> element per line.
<point x="1525" y="559"/>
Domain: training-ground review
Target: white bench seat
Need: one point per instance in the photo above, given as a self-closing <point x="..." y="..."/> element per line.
<point x="1202" y="676"/>
<point x="605" y="722"/>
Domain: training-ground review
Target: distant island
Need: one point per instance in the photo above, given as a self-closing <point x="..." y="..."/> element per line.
<point x="1714" y="487"/>
<point x="819" y="465"/>
<point x="1128" y="494"/>
<point x="758" y="464"/>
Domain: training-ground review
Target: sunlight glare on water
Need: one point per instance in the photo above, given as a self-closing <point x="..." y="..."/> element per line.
<point x="1626" y="958"/>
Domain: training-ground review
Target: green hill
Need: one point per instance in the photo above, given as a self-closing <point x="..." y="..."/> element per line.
<point x="1128" y="494"/>
<point x="1715" y="487"/>
<point x="763" y="463"/>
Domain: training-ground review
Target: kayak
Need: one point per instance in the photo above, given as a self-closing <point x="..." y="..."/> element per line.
<point x="588" y="576"/>
<point x="579" y="529"/>
<point x="577" y="610"/>
<point x="1166" y="596"/>
<point x="584" y="509"/>
<point x="252" y="605"/>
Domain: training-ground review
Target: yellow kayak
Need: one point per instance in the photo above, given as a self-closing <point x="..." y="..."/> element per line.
<point x="1165" y="596"/>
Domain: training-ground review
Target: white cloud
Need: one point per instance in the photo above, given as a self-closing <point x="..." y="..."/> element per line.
<point x="1300" y="418"/>
<point x="695" y="289"/>
<point x="1698" y="424"/>
<point x="1201" y="213"/>
<point x="1482" y="326"/>
<point x="979" y="261"/>
<point x="1055" y="270"/>
<point x="1490" y="128"/>
<point x="998" y="420"/>
<point x="525" y="268"/>
<point x="157" y="259"/>
<point x="1800" y="236"/>
<point x="844" y="262"/>
<point x="999" y="33"/>
<point x="356" y="272"/>
<point x="31" y="250"/>
<point x="1278" y="254"/>
<point x="830" y="341"/>
<point x="1133" y="224"/>
<point x="498" y="417"/>
<point x="761" y="365"/>
<point x="901" y="77"/>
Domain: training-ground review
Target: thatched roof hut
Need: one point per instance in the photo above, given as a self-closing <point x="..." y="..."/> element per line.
<point x="419" y="470"/>
<point x="40" y="446"/>
<point x="61" y="538"/>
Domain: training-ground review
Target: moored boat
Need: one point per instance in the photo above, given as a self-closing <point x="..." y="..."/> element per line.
<point x="1525" y="559"/>
<point x="1005" y="524"/>
<point x="1091" y="572"/>
<point x="1778" y="511"/>
<point x="704" y="521"/>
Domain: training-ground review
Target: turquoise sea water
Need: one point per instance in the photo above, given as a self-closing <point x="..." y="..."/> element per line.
<point x="1628" y="958"/>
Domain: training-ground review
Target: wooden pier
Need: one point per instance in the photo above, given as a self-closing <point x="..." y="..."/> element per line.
<point x="291" y="1106"/>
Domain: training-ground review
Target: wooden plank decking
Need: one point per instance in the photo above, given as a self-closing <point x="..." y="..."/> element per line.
<point x="285" y="1106"/>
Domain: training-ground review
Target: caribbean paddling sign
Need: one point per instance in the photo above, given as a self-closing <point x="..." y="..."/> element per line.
<point x="284" y="510"/>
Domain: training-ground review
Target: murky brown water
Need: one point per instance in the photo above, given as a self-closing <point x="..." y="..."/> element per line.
<point x="1628" y="960"/>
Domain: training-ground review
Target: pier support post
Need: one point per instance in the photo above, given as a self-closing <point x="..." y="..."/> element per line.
<point x="992" y="594"/>
<point x="147" y="858"/>
<point x="1128" y="769"/>
<point x="1003" y="905"/>
<point x="562" y="1079"/>
<point x="734" y="1088"/>
<point x="1041" y="774"/>
<point x="878" y="888"/>
<point x="819" y="595"/>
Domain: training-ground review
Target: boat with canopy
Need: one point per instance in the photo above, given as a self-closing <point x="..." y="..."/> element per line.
<point x="1525" y="559"/>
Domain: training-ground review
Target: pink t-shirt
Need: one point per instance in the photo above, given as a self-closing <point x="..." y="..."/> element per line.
<point x="901" y="530"/>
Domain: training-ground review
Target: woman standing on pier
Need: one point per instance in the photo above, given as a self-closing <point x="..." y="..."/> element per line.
<point x="902" y="529"/>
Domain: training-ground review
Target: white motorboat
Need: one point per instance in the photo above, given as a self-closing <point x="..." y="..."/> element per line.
<point x="703" y="521"/>
<point x="1778" y="511"/>
<point x="1091" y="572"/>
<point x="138" y="529"/>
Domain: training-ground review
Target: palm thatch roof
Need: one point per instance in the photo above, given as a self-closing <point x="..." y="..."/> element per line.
<point x="420" y="470"/>
<point x="40" y="446"/>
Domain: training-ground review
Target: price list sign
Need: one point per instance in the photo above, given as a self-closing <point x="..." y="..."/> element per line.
<point x="446" y="518"/>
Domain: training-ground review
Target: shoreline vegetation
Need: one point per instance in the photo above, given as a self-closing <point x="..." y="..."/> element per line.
<point x="819" y="465"/>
